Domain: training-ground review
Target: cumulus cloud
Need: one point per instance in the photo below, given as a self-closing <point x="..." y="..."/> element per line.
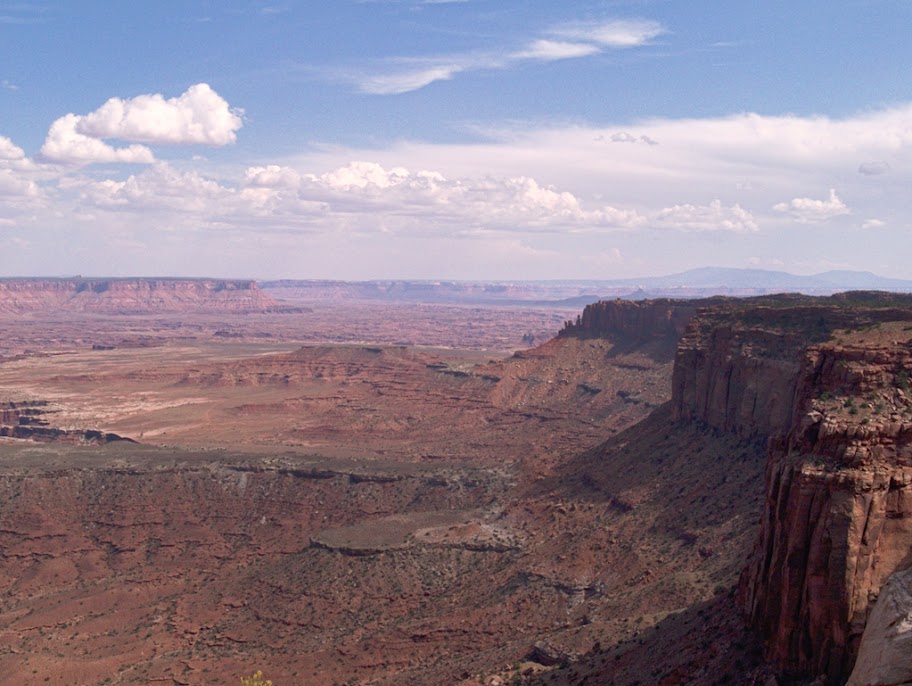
<point x="65" y="144"/>
<point x="874" y="168"/>
<point x="266" y="193"/>
<point x="160" y="187"/>
<point x="360" y="174"/>
<point x="712" y="217"/>
<point x="9" y="150"/>
<point x="810" y="211"/>
<point x="18" y="191"/>
<point x="14" y="159"/>
<point x="366" y="195"/>
<point x="272" y="176"/>
<point x="570" y="41"/>
<point x="198" y="116"/>
<point x="14" y="186"/>
<point x="552" y="188"/>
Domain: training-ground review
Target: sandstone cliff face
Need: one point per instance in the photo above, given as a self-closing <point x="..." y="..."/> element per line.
<point x="828" y="387"/>
<point x="838" y="519"/>
<point x="738" y="380"/>
<point x="636" y="320"/>
<point x="131" y="295"/>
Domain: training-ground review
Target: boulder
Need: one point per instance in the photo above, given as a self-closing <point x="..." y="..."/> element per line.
<point x="885" y="656"/>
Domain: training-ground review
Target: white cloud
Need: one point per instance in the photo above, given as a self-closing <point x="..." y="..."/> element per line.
<point x="19" y="193"/>
<point x="14" y="186"/>
<point x="272" y="176"/>
<point x="619" y="33"/>
<point x="267" y="193"/>
<point x="199" y="116"/>
<point x="9" y="150"/>
<point x="13" y="158"/>
<point x="550" y="50"/>
<point x="160" y="187"/>
<point x="359" y="174"/>
<point x="568" y="192"/>
<point x="65" y="144"/>
<point x="571" y="41"/>
<point x="810" y="211"/>
<point x="406" y="81"/>
<point x="712" y="217"/>
<point x="365" y="195"/>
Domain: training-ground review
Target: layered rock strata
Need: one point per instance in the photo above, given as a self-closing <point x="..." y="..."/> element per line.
<point x="637" y="320"/>
<point x="827" y="384"/>
<point x="132" y="295"/>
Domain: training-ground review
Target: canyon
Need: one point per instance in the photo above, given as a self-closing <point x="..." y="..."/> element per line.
<point x="672" y="492"/>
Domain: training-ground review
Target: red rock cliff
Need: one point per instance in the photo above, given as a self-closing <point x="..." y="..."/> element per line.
<point x="640" y="321"/>
<point x="827" y="385"/>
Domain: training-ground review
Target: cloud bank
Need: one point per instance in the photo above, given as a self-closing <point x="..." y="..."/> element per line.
<point x="593" y="196"/>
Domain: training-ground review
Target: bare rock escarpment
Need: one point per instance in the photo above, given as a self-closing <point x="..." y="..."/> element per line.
<point x="638" y="321"/>
<point x="26" y="420"/>
<point x="826" y="382"/>
<point x="132" y="295"/>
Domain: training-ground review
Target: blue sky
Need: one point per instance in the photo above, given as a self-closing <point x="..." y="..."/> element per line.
<point x="473" y="139"/>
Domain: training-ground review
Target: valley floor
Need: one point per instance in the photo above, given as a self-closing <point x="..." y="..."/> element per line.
<point x="360" y="513"/>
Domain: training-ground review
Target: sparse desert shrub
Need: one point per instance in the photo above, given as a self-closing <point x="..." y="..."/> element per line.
<point x="256" y="680"/>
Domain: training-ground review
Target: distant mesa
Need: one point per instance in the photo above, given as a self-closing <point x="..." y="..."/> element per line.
<point x="142" y="295"/>
<point x="133" y="296"/>
<point x="696" y="283"/>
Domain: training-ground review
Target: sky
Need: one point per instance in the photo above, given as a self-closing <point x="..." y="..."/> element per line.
<point x="454" y="139"/>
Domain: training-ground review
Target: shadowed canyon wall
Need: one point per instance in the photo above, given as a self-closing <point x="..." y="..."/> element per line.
<point x="637" y="320"/>
<point x="828" y="386"/>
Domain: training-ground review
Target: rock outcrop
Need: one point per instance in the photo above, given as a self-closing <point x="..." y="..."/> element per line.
<point x="132" y="295"/>
<point x="885" y="657"/>
<point x="638" y="321"/>
<point x="26" y="420"/>
<point x="826" y="383"/>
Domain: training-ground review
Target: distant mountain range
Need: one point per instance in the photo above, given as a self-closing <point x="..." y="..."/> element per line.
<point x="695" y="283"/>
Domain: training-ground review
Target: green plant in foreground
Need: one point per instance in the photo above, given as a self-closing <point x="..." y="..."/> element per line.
<point x="256" y="680"/>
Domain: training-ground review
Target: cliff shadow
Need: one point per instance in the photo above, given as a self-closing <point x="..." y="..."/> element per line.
<point x="705" y="644"/>
<point x="660" y="350"/>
